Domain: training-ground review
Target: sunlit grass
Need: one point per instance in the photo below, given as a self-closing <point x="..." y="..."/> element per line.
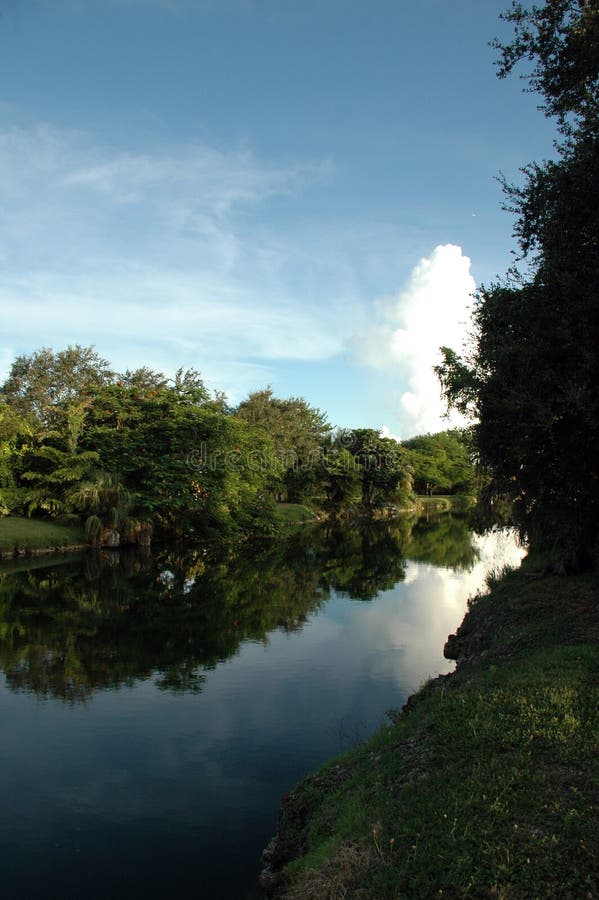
<point x="444" y="502"/>
<point x="293" y="513"/>
<point x="19" y="535"/>
<point x="488" y="787"/>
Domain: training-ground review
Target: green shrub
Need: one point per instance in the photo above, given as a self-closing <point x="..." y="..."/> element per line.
<point x="93" y="530"/>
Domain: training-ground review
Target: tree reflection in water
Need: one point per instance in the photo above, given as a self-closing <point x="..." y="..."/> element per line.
<point x="110" y="619"/>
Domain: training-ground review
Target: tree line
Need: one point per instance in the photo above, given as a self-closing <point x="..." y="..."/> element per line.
<point x="135" y="453"/>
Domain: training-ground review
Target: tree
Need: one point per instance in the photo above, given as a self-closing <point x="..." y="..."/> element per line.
<point x="190" y="467"/>
<point x="190" y="388"/>
<point x="143" y="380"/>
<point x="16" y="435"/>
<point x="42" y="384"/>
<point x="340" y="476"/>
<point x="441" y="462"/>
<point x="297" y="431"/>
<point x="385" y="472"/>
<point x="57" y="464"/>
<point x="105" y="501"/>
<point x="562" y="39"/>
<point x="531" y="376"/>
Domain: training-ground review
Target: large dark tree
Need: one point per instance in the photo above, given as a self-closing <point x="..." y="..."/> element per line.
<point x="531" y="376"/>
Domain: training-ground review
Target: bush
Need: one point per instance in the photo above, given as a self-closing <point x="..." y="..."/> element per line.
<point x="93" y="530"/>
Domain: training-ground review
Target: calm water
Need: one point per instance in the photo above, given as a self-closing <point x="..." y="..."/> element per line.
<point x="155" y="708"/>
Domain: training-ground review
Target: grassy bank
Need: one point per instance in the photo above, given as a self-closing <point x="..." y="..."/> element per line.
<point x="486" y="785"/>
<point x="21" y="536"/>
<point x="294" y="514"/>
<point x="299" y="513"/>
<point x="458" y="503"/>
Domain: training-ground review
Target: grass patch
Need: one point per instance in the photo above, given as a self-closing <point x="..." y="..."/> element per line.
<point x="444" y="503"/>
<point x="489" y="785"/>
<point x="294" y="514"/>
<point x="20" y="535"/>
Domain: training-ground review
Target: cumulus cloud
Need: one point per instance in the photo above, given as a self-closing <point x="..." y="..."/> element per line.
<point x="386" y="432"/>
<point x="403" y="339"/>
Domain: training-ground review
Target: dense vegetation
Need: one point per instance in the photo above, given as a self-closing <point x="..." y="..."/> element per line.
<point x="530" y="378"/>
<point x="442" y="463"/>
<point x="134" y="453"/>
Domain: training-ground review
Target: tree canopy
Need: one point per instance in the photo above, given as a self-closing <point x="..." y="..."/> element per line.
<point x="43" y="383"/>
<point x="135" y="453"/>
<point x="561" y="38"/>
<point x="530" y="378"/>
<point x="128" y="451"/>
<point x="441" y="462"/>
<point x="297" y="431"/>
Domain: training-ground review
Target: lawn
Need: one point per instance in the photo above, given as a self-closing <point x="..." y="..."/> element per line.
<point x="20" y="535"/>
<point x="294" y="514"/>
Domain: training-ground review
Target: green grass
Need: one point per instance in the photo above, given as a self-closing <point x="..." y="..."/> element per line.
<point x="294" y="514"/>
<point x="488" y="786"/>
<point x="28" y="535"/>
<point x="444" y="502"/>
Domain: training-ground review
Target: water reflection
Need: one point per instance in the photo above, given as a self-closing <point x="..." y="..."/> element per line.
<point x="186" y="691"/>
<point x="114" y="618"/>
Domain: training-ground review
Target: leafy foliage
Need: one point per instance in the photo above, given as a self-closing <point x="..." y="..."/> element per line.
<point x="57" y="464"/>
<point x="139" y="451"/>
<point x="441" y="462"/>
<point x="531" y="377"/>
<point x="562" y="38"/>
<point x="42" y="384"/>
<point x="93" y="530"/>
<point x="340" y="476"/>
<point x="297" y="432"/>
<point x="384" y="468"/>
<point x="15" y="434"/>
<point x="190" y="466"/>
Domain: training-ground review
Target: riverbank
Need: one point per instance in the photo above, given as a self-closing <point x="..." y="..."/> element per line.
<point x="20" y="536"/>
<point x="302" y="514"/>
<point x="439" y="503"/>
<point x="24" y="537"/>
<point x="485" y="785"/>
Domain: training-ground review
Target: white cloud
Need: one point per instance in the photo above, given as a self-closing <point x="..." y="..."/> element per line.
<point x="417" y="620"/>
<point x="172" y="256"/>
<point x="66" y="191"/>
<point x="403" y="341"/>
<point x="176" y="309"/>
<point x="385" y="432"/>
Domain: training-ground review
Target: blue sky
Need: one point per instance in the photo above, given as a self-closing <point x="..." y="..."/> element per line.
<point x="299" y="194"/>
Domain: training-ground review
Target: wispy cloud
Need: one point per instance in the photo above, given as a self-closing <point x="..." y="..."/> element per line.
<point x="407" y="330"/>
<point x="175" y="253"/>
<point x="60" y="185"/>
